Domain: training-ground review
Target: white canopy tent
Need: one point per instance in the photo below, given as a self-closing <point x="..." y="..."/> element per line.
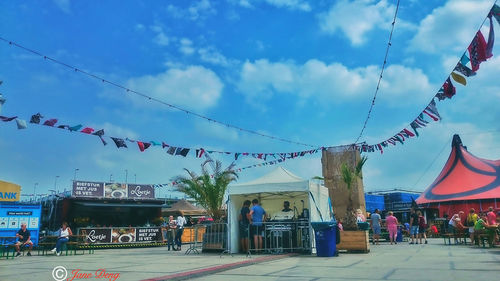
<point x="271" y="190"/>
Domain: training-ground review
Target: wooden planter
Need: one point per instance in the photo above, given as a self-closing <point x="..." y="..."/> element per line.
<point x="354" y="241"/>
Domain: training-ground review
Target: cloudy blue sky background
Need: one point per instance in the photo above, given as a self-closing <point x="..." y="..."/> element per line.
<point x="301" y="70"/>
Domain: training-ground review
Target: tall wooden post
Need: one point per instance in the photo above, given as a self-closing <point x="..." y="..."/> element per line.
<point x="331" y="161"/>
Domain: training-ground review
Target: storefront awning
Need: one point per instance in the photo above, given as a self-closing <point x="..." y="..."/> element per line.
<point x="101" y="204"/>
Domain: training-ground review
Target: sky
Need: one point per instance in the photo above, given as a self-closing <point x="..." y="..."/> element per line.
<point x="300" y="70"/>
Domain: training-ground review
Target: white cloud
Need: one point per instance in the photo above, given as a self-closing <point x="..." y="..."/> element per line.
<point x="198" y="10"/>
<point x="64" y="5"/>
<point x="288" y="4"/>
<point x="333" y="82"/>
<point x="450" y="28"/>
<point x="139" y="27"/>
<point x="212" y="55"/>
<point x="186" y="47"/>
<point x="356" y="18"/>
<point x="161" y="38"/>
<point x="194" y="87"/>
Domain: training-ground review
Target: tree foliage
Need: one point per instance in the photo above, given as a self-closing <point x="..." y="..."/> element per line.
<point x="208" y="189"/>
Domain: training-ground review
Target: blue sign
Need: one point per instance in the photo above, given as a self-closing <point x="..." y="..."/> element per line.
<point x="13" y="215"/>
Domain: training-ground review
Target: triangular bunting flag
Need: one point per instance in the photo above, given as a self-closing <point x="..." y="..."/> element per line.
<point x="447" y="91"/>
<point x="459" y="78"/>
<point x="75" y="128"/>
<point x="87" y="130"/>
<point x="143" y="145"/>
<point x="461" y="68"/>
<point x="495" y="11"/>
<point x="7" y="119"/>
<point x="119" y="142"/>
<point x="100" y="133"/>
<point x="477" y="51"/>
<point x="171" y="150"/>
<point x="50" y="122"/>
<point x="491" y="39"/>
<point x="35" y="119"/>
<point x="21" y="124"/>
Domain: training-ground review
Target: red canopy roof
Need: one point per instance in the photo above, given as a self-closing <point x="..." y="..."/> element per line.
<point x="464" y="177"/>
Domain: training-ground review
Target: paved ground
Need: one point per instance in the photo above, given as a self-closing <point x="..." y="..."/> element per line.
<point x="399" y="262"/>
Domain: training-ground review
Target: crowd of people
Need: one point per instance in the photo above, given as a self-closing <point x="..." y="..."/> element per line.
<point x="475" y="224"/>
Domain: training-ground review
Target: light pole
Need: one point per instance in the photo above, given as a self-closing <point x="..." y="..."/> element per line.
<point x="34" y="189"/>
<point x="126" y="176"/>
<point x="135" y="178"/>
<point x="74" y="178"/>
<point x="55" y="183"/>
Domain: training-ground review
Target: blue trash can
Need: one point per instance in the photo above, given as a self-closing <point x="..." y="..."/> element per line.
<point x="400" y="234"/>
<point x="325" y="235"/>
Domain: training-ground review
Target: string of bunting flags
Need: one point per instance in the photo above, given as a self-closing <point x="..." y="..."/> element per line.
<point x="478" y="51"/>
<point x="37" y="119"/>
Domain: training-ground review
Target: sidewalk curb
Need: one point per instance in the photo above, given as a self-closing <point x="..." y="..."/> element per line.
<point x="216" y="269"/>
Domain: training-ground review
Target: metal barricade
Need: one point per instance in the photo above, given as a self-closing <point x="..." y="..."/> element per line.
<point x="277" y="237"/>
<point x="196" y="238"/>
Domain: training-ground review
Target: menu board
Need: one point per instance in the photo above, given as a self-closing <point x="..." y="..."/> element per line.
<point x="96" y="235"/>
<point x="87" y="189"/>
<point x="13" y="215"/>
<point x="141" y="191"/>
<point x="121" y="235"/>
<point x="149" y="234"/>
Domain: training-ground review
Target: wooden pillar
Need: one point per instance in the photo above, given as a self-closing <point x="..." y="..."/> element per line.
<point x="331" y="161"/>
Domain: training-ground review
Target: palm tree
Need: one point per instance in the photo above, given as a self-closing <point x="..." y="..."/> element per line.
<point x="348" y="176"/>
<point x="208" y="189"/>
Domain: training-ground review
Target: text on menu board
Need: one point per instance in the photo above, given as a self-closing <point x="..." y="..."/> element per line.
<point x="148" y="234"/>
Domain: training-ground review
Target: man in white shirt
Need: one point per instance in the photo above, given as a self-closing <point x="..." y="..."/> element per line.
<point x="181" y="221"/>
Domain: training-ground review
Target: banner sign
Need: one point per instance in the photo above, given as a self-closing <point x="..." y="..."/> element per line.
<point x="87" y="189"/>
<point x="12" y="216"/>
<point x="19" y="213"/>
<point x="9" y="191"/>
<point x="115" y="190"/>
<point x="141" y="191"/>
<point x="96" y="235"/>
<point x="152" y="234"/>
<point x="401" y="205"/>
<point x="121" y="235"/>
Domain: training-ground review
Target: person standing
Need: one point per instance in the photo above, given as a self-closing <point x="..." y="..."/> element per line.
<point x="392" y="227"/>
<point x="470" y="222"/>
<point x="422" y="227"/>
<point x="24" y="236"/>
<point x="171" y="227"/>
<point x="257" y="215"/>
<point x="181" y="221"/>
<point x="414" y="226"/>
<point x="244" y="223"/>
<point x="64" y="233"/>
<point x="492" y="219"/>
<point x="375" y="225"/>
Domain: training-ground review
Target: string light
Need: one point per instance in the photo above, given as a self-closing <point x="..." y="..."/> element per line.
<point x="128" y="90"/>
<point x="389" y="44"/>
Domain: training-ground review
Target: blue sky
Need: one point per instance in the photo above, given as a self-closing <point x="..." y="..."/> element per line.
<point x="301" y="70"/>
